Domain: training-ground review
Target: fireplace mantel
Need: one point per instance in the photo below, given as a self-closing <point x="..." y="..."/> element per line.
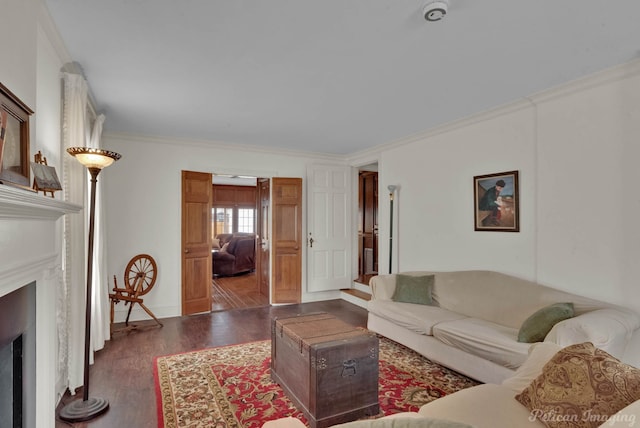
<point x="31" y="252"/>
<point x="24" y="204"/>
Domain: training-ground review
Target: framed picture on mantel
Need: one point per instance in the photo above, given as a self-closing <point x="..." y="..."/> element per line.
<point x="496" y="206"/>
<point x="14" y="140"/>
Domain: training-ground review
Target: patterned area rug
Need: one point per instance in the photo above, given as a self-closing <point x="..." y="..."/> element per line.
<point x="231" y="386"/>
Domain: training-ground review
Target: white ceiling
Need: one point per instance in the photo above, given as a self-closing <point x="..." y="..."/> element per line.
<point x="329" y="76"/>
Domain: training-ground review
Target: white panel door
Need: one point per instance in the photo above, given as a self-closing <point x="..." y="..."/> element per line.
<point x="329" y="228"/>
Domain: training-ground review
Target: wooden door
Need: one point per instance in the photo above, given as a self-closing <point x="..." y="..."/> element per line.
<point x="262" y="244"/>
<point x="367" y="224"/>
<point x="286" y="240"/>
<point x="329" y="263"/>
<point x="196" y="242"/>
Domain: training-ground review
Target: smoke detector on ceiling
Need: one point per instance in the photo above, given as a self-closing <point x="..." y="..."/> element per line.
<point x="435" y="10"/>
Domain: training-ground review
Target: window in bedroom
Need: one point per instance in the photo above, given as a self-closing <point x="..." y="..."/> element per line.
<point x="233" y="208"/>
<point x="232" y="220"/>
<point x="222" y="220"/>
<point x="246" y="217"/>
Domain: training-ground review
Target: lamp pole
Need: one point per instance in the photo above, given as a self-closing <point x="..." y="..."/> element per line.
<point x="77" y="411"/>
<point x="392" y="189"/>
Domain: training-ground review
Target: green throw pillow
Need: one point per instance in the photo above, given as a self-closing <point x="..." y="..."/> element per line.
<point x="536" y="327"/>
<point x="413" y="289"/>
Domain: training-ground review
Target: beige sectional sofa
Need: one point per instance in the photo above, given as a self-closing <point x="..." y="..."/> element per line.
<point x="471" y="325"/>
<point x="495" y="405"/>
<point x="473" y="322"/>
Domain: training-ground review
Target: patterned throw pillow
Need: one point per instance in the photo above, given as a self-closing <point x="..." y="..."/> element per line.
<point x="581" y="387"/>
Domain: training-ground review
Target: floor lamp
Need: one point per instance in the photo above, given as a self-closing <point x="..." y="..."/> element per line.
<point x="77" y="411"/>
<point x="392" y="189"/>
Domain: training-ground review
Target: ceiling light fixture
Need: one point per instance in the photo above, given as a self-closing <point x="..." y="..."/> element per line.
<point x="435" y="10"/>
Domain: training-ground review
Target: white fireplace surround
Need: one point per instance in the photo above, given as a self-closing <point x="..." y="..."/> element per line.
<point x="31" y="250"/>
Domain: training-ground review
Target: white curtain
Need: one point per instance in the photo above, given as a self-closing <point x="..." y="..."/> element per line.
<point x="100" y="317"/>
<point x="76" y="184"/>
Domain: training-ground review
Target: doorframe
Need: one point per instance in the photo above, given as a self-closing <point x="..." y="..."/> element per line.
<point x="356" y="167"/>
<point x="261" y="224"/>
<point x="248" y="173"/>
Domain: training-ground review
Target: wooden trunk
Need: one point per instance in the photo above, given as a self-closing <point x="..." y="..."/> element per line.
<point x="329" y="369"/>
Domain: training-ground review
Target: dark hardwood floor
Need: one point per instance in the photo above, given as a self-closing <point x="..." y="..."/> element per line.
<point x="123" y="370"/>
<point x="235" y="292"/>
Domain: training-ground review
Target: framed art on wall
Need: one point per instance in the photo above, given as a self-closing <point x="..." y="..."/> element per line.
<point x="496" y="202"/>
<point x="14" y="147"/>
<point x="3" y="129"/>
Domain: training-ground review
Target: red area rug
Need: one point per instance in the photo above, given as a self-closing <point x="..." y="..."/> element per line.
<point x="231" y="386"/>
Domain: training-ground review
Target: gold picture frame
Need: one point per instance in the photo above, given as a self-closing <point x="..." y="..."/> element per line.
<point x="496" y="202"/>
<point x="14" y="141"/>
<point x="3" y="130"/>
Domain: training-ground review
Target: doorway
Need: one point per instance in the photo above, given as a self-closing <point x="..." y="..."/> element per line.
<point x="367" y="222"/>
<point x="283" y="261"/>
<point x="236" y="255"/>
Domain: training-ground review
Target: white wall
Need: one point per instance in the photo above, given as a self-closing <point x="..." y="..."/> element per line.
<point x="576" y="149"/>
<point x="19" y="35"/>
<point x="47" y="139"/>
<point x="435" y="197"/>
<point x="589" y="203"/>
<point x="30" y="69"/>
<point x="143" y="202"/>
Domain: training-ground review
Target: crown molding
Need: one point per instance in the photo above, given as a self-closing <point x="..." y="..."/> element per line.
<point x="212" y="144"/>
<point x="51" y="31"/>
<point x="613" y="74"/>
<point x="609" y="75"/>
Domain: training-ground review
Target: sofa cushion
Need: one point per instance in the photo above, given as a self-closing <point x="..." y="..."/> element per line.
<point x="485" y="406"/>
<point x="581" y="384"/>
<point x="539" y="324"/>
<point x="413" y="289"/>
<point x="480" y="294"/>
<point x="417" y="318"/>
<point x="491" y="341"/>
<point x="404" y="422"/>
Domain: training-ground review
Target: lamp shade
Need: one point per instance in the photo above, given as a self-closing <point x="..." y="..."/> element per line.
<point x="93" y="158"/>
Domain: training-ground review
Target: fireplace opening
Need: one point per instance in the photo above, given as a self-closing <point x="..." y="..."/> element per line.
<point x="11" y="392"/>
<point x="17" y="358"/>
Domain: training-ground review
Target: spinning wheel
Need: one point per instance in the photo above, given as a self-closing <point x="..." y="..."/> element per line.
<point x="142" y="268"/>
<point x="139" y="278"/>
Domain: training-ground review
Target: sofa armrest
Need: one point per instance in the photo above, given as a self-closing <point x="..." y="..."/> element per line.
<point x="383" y="286"/>
<point x="625" y="417"/>
<point x="608" y="329"/>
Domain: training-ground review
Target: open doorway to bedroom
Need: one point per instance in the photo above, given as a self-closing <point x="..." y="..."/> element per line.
<point x="236" y="243"/>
